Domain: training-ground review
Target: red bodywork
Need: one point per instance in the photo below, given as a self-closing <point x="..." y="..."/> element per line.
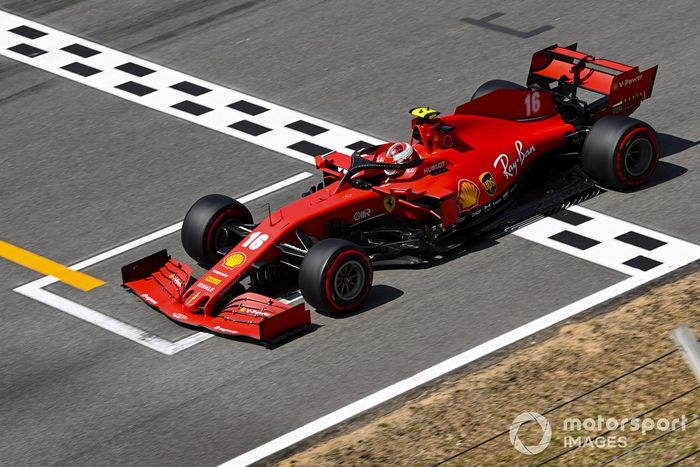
<point x="470" y="162"/>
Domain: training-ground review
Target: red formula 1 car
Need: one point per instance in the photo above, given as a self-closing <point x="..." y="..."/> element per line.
<point x="509" y="153"/>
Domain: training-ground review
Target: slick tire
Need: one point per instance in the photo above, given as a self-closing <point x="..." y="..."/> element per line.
<point x="202" y="233"/>
<point x="335" y="276"/>
<point x="493" y="85"/>
<point x="620" y="152"/>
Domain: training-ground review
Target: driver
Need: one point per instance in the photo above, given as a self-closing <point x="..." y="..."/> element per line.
<point x="398" y="153"/>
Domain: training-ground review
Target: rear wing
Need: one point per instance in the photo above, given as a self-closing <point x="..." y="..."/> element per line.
<point x="623" y="86"/>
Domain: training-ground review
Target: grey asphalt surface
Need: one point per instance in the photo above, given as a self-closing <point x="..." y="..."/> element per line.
<point x="83" y="172"/>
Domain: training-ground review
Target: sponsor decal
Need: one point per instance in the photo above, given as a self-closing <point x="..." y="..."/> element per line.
<point x="389" y="203"/>
<point x="179" y="315"/>
<point x="628" y="81"/>
<point x="205" y="287"/>
<point x="510" y="169"/>
<point x="212" y="280"/>
<point x="435" y="168"/>
<point x="175" y="280"/>
<point x="234" y="260"/>
<point x="488" y="182"/>
<point x="467" y="195"/>
<point x="363" y="214"/>
<point x="219" y="273"/>
<point x="252" y="312"/>
<point x="488" y="206"/>
<point x="230" y="331"/>
<point x="148" y="299"/>
<point x="192" y="298"/>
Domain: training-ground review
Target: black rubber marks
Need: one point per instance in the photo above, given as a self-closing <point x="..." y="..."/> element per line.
<point x="486" y="22"/>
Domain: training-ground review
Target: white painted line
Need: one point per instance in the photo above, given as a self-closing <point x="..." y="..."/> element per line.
<point x="439" y="370"/>
<point x="162" y="97"/>
<point x="35" y="290"/>
<point x="98" y="319"/>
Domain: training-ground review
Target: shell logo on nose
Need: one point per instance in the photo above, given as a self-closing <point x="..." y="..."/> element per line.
<point x="234" y="260"/>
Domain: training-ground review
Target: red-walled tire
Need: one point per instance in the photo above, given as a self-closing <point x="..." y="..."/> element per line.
<point x="202" y="234"/>
<point x="620" y="152"/>
<point x="335" y="276"/>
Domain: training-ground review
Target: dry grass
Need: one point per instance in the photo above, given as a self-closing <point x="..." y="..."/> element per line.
<point x="462" y="413"/>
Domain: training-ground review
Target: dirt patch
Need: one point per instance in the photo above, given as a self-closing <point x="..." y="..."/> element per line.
<point x="618" y="365"/>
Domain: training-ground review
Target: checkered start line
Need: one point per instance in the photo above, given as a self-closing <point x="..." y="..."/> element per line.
<point x="610" y="242"/>
<point x="231" y="112"/>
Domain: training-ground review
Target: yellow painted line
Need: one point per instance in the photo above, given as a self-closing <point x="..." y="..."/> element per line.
<point x="45" y="266"/>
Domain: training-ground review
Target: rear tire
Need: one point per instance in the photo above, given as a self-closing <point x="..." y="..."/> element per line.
<point x="494" y="85"/>
<point x="335" y="276"/>
<point x="202" y="233"/>
<point x="620" y="152"/>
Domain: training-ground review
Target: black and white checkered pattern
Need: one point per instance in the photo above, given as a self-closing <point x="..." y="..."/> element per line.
<point x="245" y="117"/>
<point x="610" y="242"/>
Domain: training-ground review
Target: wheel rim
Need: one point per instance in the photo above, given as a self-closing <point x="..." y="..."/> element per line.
<point x="349" y="281"/>
<point x="223" y="238"/>
<point x="638" y="157"/>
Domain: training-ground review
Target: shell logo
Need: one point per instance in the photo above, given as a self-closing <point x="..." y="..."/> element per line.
<point x="467" y="195"/>
<point x="234" y="260"/>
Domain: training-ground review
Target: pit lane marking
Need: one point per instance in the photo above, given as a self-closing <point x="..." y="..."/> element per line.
<point x="234" y="113"/>
<point x="46" y="266"/>
<point x="35" y="290"/>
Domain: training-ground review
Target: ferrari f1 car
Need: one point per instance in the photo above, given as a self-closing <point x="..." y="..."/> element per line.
<point x="509" y="153"/>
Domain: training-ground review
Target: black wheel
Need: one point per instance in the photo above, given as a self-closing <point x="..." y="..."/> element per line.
<point x="493" y="85"/>
<point x="204" y="231"/>
<point x="335" y="276"/>
<point x="620" y="152"/>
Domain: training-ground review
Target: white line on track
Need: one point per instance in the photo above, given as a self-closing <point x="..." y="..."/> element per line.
<point x="35" y="289"/>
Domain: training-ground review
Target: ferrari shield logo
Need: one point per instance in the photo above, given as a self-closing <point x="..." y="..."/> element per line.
<point x="389" y="203"/>
<point x="488" y="182"/>
<point x="235" y="260"/>
<point x="467" y="195"/>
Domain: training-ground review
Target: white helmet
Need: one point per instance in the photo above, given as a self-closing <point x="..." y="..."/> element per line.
<point x="398" y="153"/>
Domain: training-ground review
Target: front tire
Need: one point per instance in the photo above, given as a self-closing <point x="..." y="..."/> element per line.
<point x="620" y="152"/>
<point x="335" y="276"/>
<point x="203" y="230"/>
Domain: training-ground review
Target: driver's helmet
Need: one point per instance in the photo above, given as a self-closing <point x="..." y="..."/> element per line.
<point x="398" y="153"/>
